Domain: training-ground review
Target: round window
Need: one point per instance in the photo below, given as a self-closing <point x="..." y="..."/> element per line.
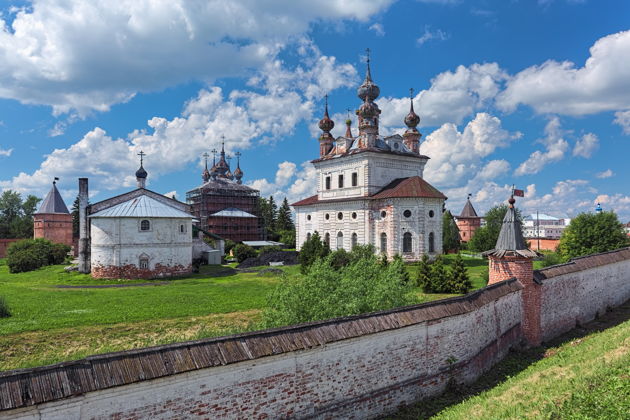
<point x="407" y="213"/>
<point x="383" y="214"/>
<point x="308" y="217"/>
<point x="395" y="145"/>
<point x="431" y="213"/>
<point x="340" y="215"/>
<point x="354" y="215"/>
<point x="327" y="216"/>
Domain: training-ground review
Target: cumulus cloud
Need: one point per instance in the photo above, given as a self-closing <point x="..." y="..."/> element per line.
<point x="289" y="182"/>
<point x="5" y="152"/>
<point x="622" y="118"/>
<point x="244" y="117"/>
<point x="602" y="84"/>
<point x="458" y="155"/>
<point x="555" y="146"/>
<point x="604" y="174"/>
<point x="85" y="55"/>
<point x="586" y="146"/>
<point x="452" y="96"/>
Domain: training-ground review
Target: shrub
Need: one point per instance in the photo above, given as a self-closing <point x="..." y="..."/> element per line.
<point x="31" y="254"/>
<point x="424" y="273"/>
<point x="228" y="246"/>
<point x="399" y="266"/>
<point x="312" y="250"/>
<point x="58" y="253"/>
<point x="4" y="308"/>
<point x="339" y="259"/>
<point x="383" y="260"/>
<point x="243" y="252"/>
<point x="359" y="287"/>
<point x="551" y="258"/>
<point x="362" y="251"/>
<point x="271" y="248"/>
<point x="439" y="277"/>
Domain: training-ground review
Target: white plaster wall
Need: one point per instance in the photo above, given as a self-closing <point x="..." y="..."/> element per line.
<point x="119" y="241"/>
<point x="578" y="297"/>
<point x="339" y="380"/>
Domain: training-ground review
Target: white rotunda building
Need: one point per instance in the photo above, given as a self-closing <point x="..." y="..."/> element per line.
<point x="371" y="188"/>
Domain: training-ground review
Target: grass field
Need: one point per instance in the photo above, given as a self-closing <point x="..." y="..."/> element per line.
<point x="584" y="374"/>
<point x="51" y="324"/>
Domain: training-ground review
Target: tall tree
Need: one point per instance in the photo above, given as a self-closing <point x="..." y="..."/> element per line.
<point x="16" y="216"/>
<point x="284" y="220"/>
<point x="450" y="233"/>
<point x="590" y="233"/>
<point x="459" y="281"/>
<point x="75" y="217"/>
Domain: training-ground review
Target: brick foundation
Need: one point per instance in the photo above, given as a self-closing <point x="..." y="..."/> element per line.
<point x="131" y="271"/>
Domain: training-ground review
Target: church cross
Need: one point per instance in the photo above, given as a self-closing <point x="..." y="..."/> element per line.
<point x="142" y="155"/>
<point x="214" y="154"/>
<point x="205" y="157"/>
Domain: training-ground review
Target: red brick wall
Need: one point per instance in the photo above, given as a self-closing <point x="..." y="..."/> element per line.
<point x="545" y="244"/>
<point x="131" y="271"/>
<point x="54" y="227"/>
<point x="4" y="245"/>
<point x="467" y="227"/>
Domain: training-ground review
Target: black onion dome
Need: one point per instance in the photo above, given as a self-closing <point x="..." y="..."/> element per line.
<point x="412" y="119"/>
<point x="141" y="173"/>
<point x="326" y="124"/>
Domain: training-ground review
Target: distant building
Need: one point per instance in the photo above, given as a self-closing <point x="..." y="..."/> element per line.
<point x="468" y="221"/>
<point x="53" y="221"/>
<point x="138" y="234"/>
<point x="543" y="226"/>
<point x="224" y="206"/>
<point x="371" y="188"/>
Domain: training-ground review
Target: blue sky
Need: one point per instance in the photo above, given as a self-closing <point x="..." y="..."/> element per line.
<point x="532" y="93"/>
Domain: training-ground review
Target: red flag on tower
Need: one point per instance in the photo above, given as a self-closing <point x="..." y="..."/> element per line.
<point x="519" y="193"/>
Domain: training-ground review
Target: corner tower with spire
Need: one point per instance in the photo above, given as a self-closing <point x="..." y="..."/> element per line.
<point x="53" y="221"/>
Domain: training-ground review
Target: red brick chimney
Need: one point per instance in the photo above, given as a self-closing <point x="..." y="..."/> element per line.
<point x="511" y="258"/>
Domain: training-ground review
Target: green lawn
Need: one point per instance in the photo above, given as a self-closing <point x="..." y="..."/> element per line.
<point x="583" y="375"/>
<point x="51" y="324"/>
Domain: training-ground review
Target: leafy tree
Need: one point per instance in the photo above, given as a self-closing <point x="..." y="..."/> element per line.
<point x="459" y="279"/>
<point x="550" y="258"/>
<point x="312" y="249"/>
<point x="402" y="273"/>
<point x="243" y="252"/>
<point x="424" y="273"/>
<point x="485" y="237"/>
<point x="339" y="259"/>
<point x="450" y="233"/>
<point x="383" y="260"/>
<point x="16" y="216"/>
<point x="287" y="237"/>
<point x="362" y="286"/>
<point x="362" y="251"/>
<point x="284" y="220"/>
<point x="590" y="233"/>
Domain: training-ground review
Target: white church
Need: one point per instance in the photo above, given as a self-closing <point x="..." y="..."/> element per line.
<point x="371" y="188"/>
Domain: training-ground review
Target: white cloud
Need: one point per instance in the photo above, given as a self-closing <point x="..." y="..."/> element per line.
<point x="605" y="174"/>
<point x="602" y="84"/>
<point x="622" y="118"/>
<point x="586" y="146"/>
<point x="378" y="29"/>
<point x="304" y="182"/>
<point x="428" y="35"/>
<point x="244" y="117"/>
<point x="85" y="55"/>
<point x="459" y="155"/>
<point x="171" y="194"/>
<point x="5" y="152"/>
<point x="555" y="145"/>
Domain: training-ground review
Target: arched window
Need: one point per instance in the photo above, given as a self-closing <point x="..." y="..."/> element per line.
<point x="355" y="240"/>
<point x="145" y="225"/>
<point x="143" y="263"/>
<point x="308" y="236"/>
<point x="327" y="239"/>
<point x="431" y="242"/>
<point x="384" y="242"/>
<point x="407" y="242"/>
<point x="339" y="240"/>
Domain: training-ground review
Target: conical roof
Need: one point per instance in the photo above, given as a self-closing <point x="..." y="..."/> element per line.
<point x="53" y="203"/>
<point x="469" y="210"/>
<point x="511" y="241"/>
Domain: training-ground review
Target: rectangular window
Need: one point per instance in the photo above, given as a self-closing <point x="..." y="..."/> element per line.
<point x="355" y="179"/>
<point x="340" y="181"/>
<point x="327" y="182"/>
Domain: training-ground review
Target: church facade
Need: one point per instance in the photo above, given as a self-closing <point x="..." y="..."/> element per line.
<point x="371" y="188"/>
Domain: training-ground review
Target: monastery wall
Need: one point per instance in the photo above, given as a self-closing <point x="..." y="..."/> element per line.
<point x="354" y="367"/>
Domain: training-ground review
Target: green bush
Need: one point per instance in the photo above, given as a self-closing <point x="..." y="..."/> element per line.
<point x="31" y="254"/>
<point x="243" y="252"/>
<point x="424" y="273"/>
<point x="322" y="293"/>
<point x="339" y="259"/>
<point x="459" y="281"/>
<point x="271" y="248"/>
<point x="551" y="258"/>
<point x="4" y="308"/>
<point x="228" y="246"/>
<point x="312" y="250"/>
<point x="402" y="270"/>
<point x="362" y="251"/>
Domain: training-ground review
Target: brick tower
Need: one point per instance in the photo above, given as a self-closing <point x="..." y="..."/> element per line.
<point x="511" y="258"/>
<point x="468" y="222"/>
<point x="53" y="221"/>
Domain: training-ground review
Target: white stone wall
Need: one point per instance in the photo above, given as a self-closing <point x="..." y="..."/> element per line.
<point x="118" y="241"/>
<point x="357" y="378"/>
